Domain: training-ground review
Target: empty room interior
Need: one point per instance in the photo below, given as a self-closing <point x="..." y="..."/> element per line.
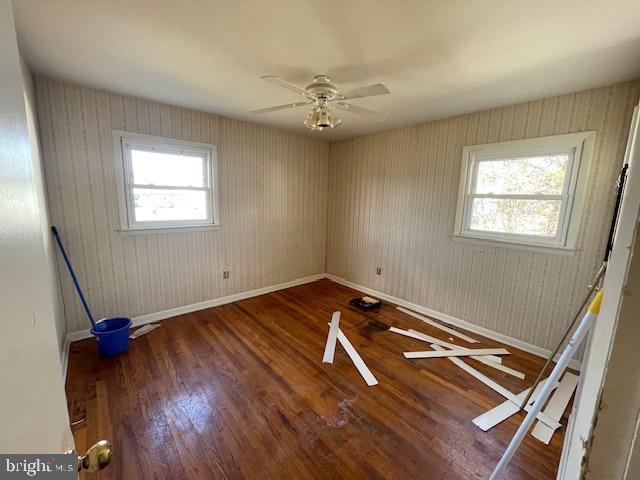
<point x="324" y="240"/>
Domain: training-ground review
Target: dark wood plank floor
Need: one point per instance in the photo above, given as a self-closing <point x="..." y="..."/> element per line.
<point x="239" y="391"/>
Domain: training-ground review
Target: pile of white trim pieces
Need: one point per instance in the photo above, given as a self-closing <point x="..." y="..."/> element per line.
<point x="556" y="406"/>
<point x="329" y="350"/>
<point x="548" y="420"/>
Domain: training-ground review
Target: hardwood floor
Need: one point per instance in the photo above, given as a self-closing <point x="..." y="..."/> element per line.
<point x="239" y="391"/>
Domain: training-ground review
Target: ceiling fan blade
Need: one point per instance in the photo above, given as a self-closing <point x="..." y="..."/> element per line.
<point x="368" y="91"/>
<point x="280" y="107"/>
<point x="365" y="112"/>
<point x="288" y="85"/>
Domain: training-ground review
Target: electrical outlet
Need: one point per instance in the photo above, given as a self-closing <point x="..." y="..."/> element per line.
<point x="225" y="274"/>
<point x="378" y="271"/>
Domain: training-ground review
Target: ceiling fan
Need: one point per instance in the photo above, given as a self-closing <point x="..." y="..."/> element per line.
<point x="323" y="94"/>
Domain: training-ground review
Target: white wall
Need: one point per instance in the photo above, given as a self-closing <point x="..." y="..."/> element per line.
<point x="43" y="206"/>
<point x="393" y="199"/>
<point x="33" y="411"/>
<point x="273" y="203"/>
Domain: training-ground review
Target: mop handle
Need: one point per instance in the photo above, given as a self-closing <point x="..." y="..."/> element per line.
<point x="54" y="230"/>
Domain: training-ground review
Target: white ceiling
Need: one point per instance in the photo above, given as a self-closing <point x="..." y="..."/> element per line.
<point x="438" y="58"/>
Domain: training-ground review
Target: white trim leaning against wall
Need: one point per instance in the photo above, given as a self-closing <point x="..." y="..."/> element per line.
<point x="576" y="152"/>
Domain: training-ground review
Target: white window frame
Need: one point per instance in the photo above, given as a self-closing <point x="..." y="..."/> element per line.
<point x="579" y="146"/>
<point x="124" y="142"/>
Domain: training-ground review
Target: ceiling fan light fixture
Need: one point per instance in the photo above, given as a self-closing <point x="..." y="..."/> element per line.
<point x="321" y="117"/>
<point x="324" y="117"/>
<point x="312" y="118"/>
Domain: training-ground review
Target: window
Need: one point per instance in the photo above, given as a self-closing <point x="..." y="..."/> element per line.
<point x="527" y="192"/>
<point x="165" y="183"/>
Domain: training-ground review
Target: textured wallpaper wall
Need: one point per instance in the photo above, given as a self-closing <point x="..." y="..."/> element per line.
<point x="392" y="200"/>
<point x="273" y="204"/>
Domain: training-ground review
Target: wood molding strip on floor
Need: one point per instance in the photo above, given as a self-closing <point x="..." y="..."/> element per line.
<point x="330" y="347"/>
<point x="433" y="323"/>
<point x="357" y="360"/>
<point x="556" y="406"/>
<point x="495" y="386"/>
<point x="487" y="360"/>
<point x="429" y="339"/>
<point x="457" y="353"/>
<point x="499" y="413"/>
<point x="149" y="327"/>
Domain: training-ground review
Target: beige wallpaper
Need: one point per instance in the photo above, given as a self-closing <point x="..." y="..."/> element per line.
<point x="392" y="200"/>
<point x="273" y="205"/>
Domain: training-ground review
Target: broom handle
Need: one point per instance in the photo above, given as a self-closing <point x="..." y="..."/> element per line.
<point x="54" y="230"/>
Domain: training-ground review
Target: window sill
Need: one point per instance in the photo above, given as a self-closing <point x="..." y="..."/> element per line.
<point x="490" y="242"/>
<point x="165" y="230"/>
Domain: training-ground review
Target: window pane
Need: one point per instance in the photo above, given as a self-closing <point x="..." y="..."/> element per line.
<point x="542" y="174"/>
<point x="154" y="205"/>
<point x="155" y="168"/>
<point x="518" y="216"/>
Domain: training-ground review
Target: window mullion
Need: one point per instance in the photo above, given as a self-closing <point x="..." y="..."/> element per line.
<point x="168" y="187"/>
<point x="518" y="196"/>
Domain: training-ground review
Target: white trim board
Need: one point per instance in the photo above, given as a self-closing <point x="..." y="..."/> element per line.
<point x="332" y="336"/>
<point x="556" y="407"/>
<point x="444" y="328"/>
<point x="485" y="332"/>
<point x="357" y="360"/>
<point x="492" y="361"/>
<point x="457" y="353"/>
<point x="429" y="339"/>
<point x="194" y="307"/>
<point x="495" y="386"/>
<point x="499" y="413"/>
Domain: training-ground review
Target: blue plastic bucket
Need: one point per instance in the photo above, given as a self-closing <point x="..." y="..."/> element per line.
<point x="112" y="335"/>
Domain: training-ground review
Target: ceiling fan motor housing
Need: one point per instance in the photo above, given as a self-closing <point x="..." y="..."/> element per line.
<point x="322" y="87"/>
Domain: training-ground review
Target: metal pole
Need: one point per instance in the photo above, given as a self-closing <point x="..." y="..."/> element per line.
<point x="556" y="373"/>
<point x="592" y="288"/>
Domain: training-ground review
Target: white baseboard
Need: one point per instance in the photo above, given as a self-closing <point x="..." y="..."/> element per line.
<point x="173" y="312"/>
<point x="485" y="332"/>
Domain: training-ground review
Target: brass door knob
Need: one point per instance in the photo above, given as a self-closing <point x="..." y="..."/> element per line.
<point x="96" y="458"/>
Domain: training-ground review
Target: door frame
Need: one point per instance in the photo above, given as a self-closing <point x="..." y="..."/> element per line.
<point x="596" y="357"/>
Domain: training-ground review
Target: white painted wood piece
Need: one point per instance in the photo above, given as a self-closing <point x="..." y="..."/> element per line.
<point x="433" y="323"/>
<point x="556" y="406"/>
<point x="144" y="330"/>
<point x="489" y="360"/>
<point x="495" y="386"/>
<point x="429" y="339"/>
<point x="457" y="353"/>
<point x="499" y="413"/>
<point x="357" y="360"/>
<point x="330" y="347"/>
<point x="450" y="320"/>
